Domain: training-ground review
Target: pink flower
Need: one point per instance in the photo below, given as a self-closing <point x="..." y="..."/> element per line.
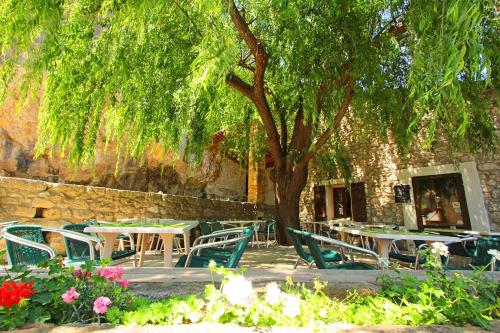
<point x="101" y="305"/>
<point x="124" y="283"/>
<point x="112" y="273"/>
<point x="70" y="295"/>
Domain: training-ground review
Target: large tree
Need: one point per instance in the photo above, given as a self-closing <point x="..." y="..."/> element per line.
<point x="279" y="76"/>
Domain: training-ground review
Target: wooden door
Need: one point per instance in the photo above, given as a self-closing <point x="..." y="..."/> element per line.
<point x="319" y="203"/>
<point x="358" y="202"/>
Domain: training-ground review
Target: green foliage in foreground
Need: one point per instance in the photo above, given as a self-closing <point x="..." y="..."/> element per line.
<point x="402" y="300"/>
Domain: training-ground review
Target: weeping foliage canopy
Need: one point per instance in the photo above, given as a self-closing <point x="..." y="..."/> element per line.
<point x="144" y="71"/>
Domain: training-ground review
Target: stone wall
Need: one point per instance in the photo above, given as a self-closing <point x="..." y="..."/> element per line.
<point x="59" y="204"/>
<point x="376" y="162"/>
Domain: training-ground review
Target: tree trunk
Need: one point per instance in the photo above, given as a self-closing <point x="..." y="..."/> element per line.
<point x="288" y="187"/>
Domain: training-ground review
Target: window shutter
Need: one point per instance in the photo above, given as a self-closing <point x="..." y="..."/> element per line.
<point x="319" y="203"/>
<point x="358" y="202"/>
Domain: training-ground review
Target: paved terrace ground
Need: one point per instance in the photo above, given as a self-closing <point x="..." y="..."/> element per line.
<point x="261" y="266"/>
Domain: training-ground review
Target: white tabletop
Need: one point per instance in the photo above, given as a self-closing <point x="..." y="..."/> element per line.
<point x="466" y="232"/>
<point x="170" y="227"/>
<point x="243" y="222"/>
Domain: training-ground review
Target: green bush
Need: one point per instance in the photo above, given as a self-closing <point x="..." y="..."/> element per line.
<point x="403" y="300"/>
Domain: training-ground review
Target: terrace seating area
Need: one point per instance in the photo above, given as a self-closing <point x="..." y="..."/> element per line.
<point x="249" y="244"/>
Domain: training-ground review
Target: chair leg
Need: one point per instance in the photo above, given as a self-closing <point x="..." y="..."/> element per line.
<point x="296" y="263"/>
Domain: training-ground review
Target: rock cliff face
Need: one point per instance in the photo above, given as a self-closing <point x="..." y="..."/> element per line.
<point x="216" y="177"/>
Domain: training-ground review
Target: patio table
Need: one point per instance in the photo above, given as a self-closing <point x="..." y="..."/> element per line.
<point x="384" y="239"/>
<point x="465" y="232"/>
<point x="255" y="224"/>
<point x="167" y="232"/>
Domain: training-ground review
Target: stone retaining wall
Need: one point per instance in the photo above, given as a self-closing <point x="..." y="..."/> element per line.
<point x="54" y="204"/>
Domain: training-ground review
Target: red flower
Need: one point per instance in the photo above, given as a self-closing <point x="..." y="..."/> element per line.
<point x="11" y="293"/>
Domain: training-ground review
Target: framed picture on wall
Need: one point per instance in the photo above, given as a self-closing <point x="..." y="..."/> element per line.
<point x="402" y="194"/>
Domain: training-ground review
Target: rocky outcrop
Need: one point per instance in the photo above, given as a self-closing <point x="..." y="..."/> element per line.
<point x="159" y="171"/>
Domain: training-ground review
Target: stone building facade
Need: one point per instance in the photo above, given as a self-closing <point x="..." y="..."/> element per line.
<point x="377" y="164"/>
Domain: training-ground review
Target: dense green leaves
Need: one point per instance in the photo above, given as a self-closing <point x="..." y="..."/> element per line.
<point x="137" y="72"/>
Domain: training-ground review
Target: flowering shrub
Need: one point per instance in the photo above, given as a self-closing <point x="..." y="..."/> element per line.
<point x="403" y="300"/>
<point x="11" y="293"/>
<point x="66" y="295"/>
<point x="86" y="295"/>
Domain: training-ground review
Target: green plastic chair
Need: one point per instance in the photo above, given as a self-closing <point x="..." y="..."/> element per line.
<point x="215" y="226"/>
<point x="327" y="255"/>
<point x="222" y="235"/>
<point x="205" y="228"/>
<point x="415" y="260"/>
<point x="199" y="261"/>
<point x="78" y="250"/>
<point x="479" y="256"/>
<point x="25" y="245"/>
<point x="312" y="242"/>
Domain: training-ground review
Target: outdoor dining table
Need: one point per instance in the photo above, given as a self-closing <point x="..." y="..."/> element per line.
<point x="384" y="238"/>
<point x="166" y="230"/>
<point x="464" y="232"/>
<point x="255" y="224"/>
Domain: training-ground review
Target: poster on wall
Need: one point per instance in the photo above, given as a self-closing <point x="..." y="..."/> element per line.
<point x="402" y="194"/>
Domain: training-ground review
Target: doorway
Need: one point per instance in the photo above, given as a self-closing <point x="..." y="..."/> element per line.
<point x="341" y="203"/>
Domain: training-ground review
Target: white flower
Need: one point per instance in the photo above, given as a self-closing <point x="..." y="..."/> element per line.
<point x="239" y="291"/>
<point x="439" y="249"/>
<point x="273" y="293"/>
<point x="291" y="305"/>
<point x="494" y="253"/>
<point x="384" y="263"/>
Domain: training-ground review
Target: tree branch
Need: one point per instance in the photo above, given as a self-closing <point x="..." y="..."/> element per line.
<point x="185" y="13"/>
<point x="323" y="138"/>
<point x="238" y="84"/>
<point x="259" y="95"/>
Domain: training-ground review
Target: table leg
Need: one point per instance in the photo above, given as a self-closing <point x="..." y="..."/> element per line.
<point x="168" y="242"/>
<point x="383" y="247"/>
<point x="256" y="232"/>
<point x="109" y="242"/>
<point x="187" y="235"/>
<point x="144" y="242"/>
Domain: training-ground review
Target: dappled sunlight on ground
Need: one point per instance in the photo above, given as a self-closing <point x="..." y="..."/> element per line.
<point x="272" y="257"/>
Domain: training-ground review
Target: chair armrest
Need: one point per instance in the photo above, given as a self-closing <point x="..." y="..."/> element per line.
<point x="218" y="234"/>
<point x="90" y="240"/>
<point x="7" y="223"/>
<point x="348" y="246"/>
<point x="199" y="247"/>
<point x="22" y="241"/>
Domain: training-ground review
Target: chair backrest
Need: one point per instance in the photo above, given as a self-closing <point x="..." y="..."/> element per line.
<point x="20" y="254"/>
<point x="480" y="256"/>
<point x="315" y="250"/>
<point x="270" y="225"/>
<point x="240" y="247"/>
<point x="216" y="226"/>
<point x="295" y="236"/>
<point x="75" y="249"/>
<point x="205" y="228"/>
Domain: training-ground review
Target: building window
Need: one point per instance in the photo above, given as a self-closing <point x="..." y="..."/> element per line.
<point x="440" y="201"/>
